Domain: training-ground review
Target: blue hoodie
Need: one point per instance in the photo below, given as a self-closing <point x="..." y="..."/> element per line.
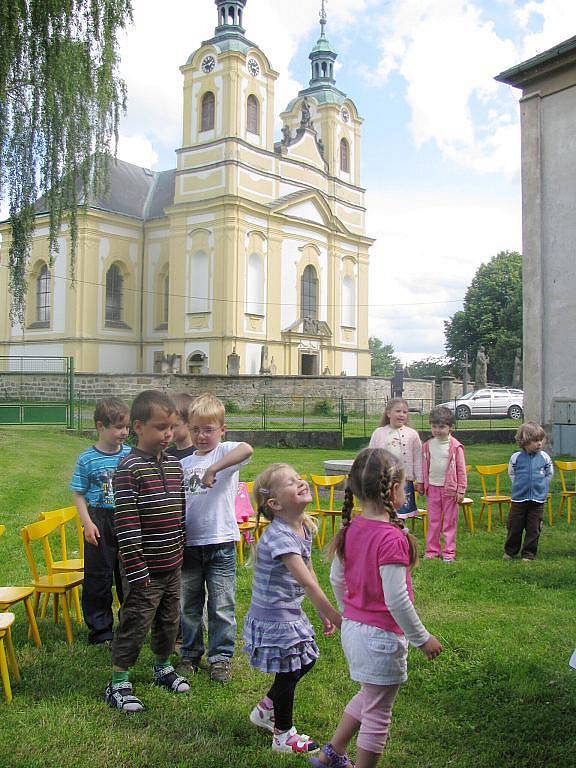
<point x="530" y="474"/>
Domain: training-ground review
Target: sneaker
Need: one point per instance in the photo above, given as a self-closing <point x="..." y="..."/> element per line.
<point x="448" y="559"/>
<point x="506" y="556"/>
<point x="188" y="666"/>
<point x="221" y="671"/>
<point x="294" y="743"/>
<point x="262" y="716"/>
<point x="527" y="559"/>
<point x="119" y="696"/>
<point x="334" y="759"/>
<point x="167" y="678"/>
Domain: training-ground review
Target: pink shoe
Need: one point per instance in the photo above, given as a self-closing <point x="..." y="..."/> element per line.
<point x="294" y="743"/>
<point x="262" y="716"/>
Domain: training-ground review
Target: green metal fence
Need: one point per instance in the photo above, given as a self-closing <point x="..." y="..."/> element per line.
<point x="37" y="390"/>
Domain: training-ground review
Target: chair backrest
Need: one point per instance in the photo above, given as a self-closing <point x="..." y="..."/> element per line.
<point x="39" y="531"/>
<point x="565" y="467"/>
<point x="66" y="514"/>
<point x="327" y="482"/>
<point x="491" y="470"/>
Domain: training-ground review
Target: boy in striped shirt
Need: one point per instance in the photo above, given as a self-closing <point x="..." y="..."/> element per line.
<point x="149" y="522"/>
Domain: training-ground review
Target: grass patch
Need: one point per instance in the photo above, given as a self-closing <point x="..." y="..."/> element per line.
<point x="500" y="696"/>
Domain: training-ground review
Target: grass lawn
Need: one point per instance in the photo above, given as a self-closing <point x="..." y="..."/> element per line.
<point x="500" y="696"/>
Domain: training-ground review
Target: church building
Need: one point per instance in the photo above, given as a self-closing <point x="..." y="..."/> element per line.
<point x="249" y="257"/>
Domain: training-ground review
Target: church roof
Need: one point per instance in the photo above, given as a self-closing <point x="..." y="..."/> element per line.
<point x="560" y="55"/>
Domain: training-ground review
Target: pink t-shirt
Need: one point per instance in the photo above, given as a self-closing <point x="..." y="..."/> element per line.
<point x="368" y="545"/>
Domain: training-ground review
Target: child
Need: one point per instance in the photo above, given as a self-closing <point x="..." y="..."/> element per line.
<point x="530" y="470"/>
<point x="370" y="576"/>
<point x="445" y="480"/>
<point x="211" y="481"/>
<point x="403" y="442"/>
<point x="91" y="487"/>
<point x="149" y="521"/>
<point x="183" y="445"/>
<point x="278" y="635"/>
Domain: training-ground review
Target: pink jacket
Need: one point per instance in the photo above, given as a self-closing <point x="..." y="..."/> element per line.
<point x="411" y="449"/>
<point x="455" y="480"/>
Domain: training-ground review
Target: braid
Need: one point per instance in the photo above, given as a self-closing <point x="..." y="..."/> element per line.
<point x="386" y="482"/>
<point x="347" y="506"/>
<point x="337" y="544"/>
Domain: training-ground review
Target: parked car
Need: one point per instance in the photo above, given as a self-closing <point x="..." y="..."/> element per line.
<point x="489" y="403"/>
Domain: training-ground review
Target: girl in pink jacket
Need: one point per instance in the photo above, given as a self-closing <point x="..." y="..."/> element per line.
<point x="444" y="471"/>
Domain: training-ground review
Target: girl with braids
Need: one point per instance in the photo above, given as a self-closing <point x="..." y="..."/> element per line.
<point x="370" y="576"/>
<point x="277" y="633"/>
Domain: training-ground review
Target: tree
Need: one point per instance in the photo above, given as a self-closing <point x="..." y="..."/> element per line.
<point x="433" y="366"/>
<point x="492" y="316"/>
<point x="60" y="102"/>
<point x="383" y="359"/>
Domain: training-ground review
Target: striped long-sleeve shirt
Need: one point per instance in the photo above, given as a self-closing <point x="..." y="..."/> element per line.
<point x="149" y="514"/>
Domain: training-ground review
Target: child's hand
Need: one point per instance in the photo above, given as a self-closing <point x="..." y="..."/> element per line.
<point x="459" y="498"/>
<point x="329" y="627"/>
<point x="209" y="478"/>
<point x="431" y="648"/>
<point x="91" y="534"/>
<point x="419" y="488"/>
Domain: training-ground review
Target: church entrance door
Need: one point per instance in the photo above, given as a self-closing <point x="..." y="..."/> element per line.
<point x="308" y="364"/>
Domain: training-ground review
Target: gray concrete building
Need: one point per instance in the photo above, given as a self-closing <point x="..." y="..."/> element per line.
<point x="548" y="126"/>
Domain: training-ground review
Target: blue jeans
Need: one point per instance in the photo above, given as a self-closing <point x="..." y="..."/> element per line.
<point x="210" y="569"/>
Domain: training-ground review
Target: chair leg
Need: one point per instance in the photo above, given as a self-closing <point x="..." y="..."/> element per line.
<point x="562" y="500"/>
<point x="240" y="549"/>
<point x="12" y="656"/>
<point x="4" y="671"/>
<point x="569" y="509"/>
<point x="471" y="519"/>
<point x="482" y="505"/>
<point x="489" y="513"/>
<point x="76" y="599"/>
<point x="67" y="623"/>
<point x="32" y="625"/>
<point x="44" y="605"/>
<point x="56" y="601"/>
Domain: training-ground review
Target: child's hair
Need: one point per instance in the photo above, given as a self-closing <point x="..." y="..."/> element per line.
<point x="208" y="406"/>
<point x="143" y="404"/>
<point x="385" y="420"/>
<point x="372" y="477"/>
<point x="442" y="417"/>
<point x="182" y="403"/>
<point x="110" y="411"/>
<point x="264" y="489"/>
<point x="528" y="433"/>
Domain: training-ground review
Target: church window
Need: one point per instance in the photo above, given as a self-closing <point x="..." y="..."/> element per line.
<point x="197" y="363"/>
<point x="344" y="156"/>
<point x="253" y="114"/>
<point x="208" y="108"/>
<point x="348" y="302"/>
<point x="114" y="296"/>
<point x="43" y="296"/>
<point x="200" y="283"/>
<point x="255" y="285"/>
<point x="309" y="293"/>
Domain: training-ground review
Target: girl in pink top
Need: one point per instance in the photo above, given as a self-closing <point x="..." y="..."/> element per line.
<point x="404" y="443"/>
<point x="370" y="576"/>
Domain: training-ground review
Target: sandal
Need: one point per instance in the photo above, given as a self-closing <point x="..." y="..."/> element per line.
<point x="167" y="677"/>
<point x="335" y="759"/>
<point x="119" y="696"/>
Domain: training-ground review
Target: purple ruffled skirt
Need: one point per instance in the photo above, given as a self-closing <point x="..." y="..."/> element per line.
<point x="279" y="646"/>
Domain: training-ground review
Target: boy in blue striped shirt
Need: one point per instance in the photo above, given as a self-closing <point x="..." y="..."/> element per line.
<point x="91" y="486"/>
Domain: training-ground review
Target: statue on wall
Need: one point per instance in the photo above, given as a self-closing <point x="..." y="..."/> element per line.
<point x="286" y="137"/>
<point x="482" y="361"/>
<point x="305" y="122"/>
<point x="264" y="365"/>
<point x="517" y="372"/>
<point x="233" y="363"/>
<point x="273" y="368"/>
<point x="310" y="326"/>
<point x="398" y="381"/>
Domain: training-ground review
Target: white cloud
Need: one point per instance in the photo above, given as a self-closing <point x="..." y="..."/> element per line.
<point x="138" y="150"/>
<point x="557" y="19"/>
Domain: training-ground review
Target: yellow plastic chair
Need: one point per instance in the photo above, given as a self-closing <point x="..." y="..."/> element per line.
<point x="67" y="514"/>
<point x="326" y="483"/>
<point x="7" y="654"/>
<point x="56" y="584"/>
<point x="565" y="468"/>
<point x="467" y="506"/>
<point x="487" y="500"/>
<point x="10" y="596"/>
<point x="421" y="515"/>
<point x="244" y="528"/>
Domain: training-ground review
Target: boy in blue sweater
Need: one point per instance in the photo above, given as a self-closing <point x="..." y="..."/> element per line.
<point x="530" y="470"/>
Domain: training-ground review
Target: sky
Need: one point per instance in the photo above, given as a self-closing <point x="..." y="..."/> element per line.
<point x="440" y="141"/>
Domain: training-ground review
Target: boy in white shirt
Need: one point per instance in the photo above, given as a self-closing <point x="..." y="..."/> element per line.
<point x="210" y="482"/>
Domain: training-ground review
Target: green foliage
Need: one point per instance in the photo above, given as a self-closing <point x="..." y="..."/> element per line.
<point x="231" y="406"/>
<point x="60" y="103"/>
<point x="383" y="359"/>
<point x="323" y="408"/>
<point x="433" y="366"/>
<point x="492" y="316"/>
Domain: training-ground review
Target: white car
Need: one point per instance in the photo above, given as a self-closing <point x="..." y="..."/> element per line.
<point x="489" y="403"/>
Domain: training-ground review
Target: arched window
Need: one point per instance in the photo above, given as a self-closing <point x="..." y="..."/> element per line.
<point x="309" y="293"/>
<point x="253" y="115"/>
<point x="255" y="285"/>
<point x="114" y="296"/>
<point x="43" y="295"/>
<point x="344" y="156"/>
<point x="200" y="283"/>
<point x="208" y="108"/>
<point x="197" y="363"/>
<point x="348" y="302"/>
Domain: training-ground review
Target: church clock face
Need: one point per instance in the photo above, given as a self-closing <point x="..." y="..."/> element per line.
<point x="208" y="64"/>
<point x="344" y="114"/>
<point x="253" y="67"/>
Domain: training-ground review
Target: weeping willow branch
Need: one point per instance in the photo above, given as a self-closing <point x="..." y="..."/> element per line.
<point x="61" y="99"/>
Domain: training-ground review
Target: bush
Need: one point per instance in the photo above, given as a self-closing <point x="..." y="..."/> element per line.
<point x="231" y="406"/>
<point x="323" y="408"/>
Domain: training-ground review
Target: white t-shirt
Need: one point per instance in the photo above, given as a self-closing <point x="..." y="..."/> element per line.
<point x="210" y="513"/>
<point x="439" y="455"/>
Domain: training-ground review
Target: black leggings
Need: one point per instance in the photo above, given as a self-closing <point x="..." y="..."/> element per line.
<point x="282" y="695"/>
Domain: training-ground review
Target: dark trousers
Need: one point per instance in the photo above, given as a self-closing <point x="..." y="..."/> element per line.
<point x="525" y="517"/>
<point x="155" y="606"/>
<point x="282" y="695"/>
<point x="101" y="571"/>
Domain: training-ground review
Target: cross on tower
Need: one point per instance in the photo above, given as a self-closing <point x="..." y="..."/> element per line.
<point x="323" y="17"/>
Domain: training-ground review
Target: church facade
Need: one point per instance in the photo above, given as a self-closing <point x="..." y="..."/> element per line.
<point x="250" y="257"/>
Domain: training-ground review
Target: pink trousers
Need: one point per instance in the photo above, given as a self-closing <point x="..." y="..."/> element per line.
<point x="372" y="707"/>
<point x="442" y="517"/>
